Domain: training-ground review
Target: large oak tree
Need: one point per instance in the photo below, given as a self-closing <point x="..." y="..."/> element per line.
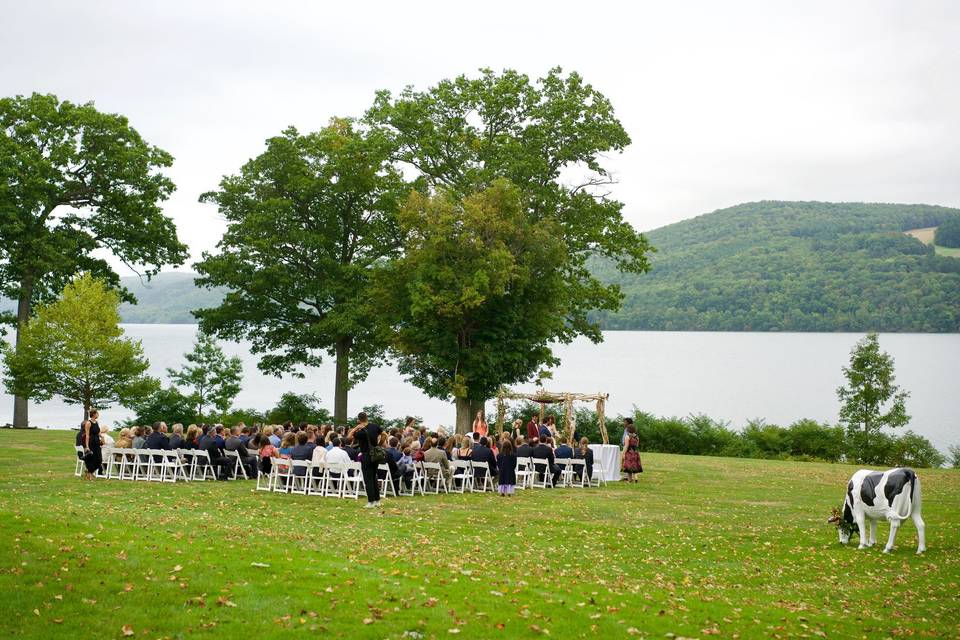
<point x="547" y="138"/>
<point x="74" y="180"/>
<point x="307" y="221"/>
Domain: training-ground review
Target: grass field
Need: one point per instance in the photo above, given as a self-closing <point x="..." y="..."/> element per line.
<point x="699" y="547"/>
<point x="925" y="235"/>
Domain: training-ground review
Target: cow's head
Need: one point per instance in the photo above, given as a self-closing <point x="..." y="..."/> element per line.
<point x="846" y="527"/>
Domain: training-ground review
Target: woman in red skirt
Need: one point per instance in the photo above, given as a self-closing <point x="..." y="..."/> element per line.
<point x="631" y="454"/>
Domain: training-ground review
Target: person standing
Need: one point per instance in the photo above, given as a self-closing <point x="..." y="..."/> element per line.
<point x="631" y="454"/>
<point x="507" y="468"/>
<point x="480" y="424"/>
<point x="92" y="453"/>
<point x="367" y="438"/>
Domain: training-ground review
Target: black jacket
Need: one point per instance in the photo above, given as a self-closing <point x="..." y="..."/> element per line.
<point x="483" y="454"/>
<point x="157" y="440"/>
<point x="524" y="451"/>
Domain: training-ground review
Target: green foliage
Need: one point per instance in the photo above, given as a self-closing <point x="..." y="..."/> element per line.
<point x="75" y="349"/>
<point x="870" y="400"/>
<point x="793" y="266"/>
<point x="913" y="450"/>
<point x="163" y="405"/>
<point x="246" y="416"/>
<point x="74" y="180"/>
<point x="298" y="408"/>
<point x="474" y="140"/>
<point x="306" y="221"/>
<point x="948" y="233"/>
<point x="468" y="300"/>
<point x="211" y="377"/>
<point x="954" y="455"/>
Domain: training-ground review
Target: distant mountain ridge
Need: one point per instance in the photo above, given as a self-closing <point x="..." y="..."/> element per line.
<point x="794" y="266"/>
<point x="759" y="266"/>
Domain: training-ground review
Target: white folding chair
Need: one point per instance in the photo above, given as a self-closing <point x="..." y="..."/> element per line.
<point x="352" y="481"/>
<point x="127" y="461"/>
<point x="80" y="466"/>
<point x="284" y="473"/>
<point x="238" y="468"/>
<point x="142" y="463"/>
<point x="300" y="480"/>
<point x="542" y="474"/>
<point x="566" y="471"/>
<point x="599" y="475"/>
<point x="462" y="478"/>
<point x="202" y="466"/>
<point x="265" y="480"/>
<point x="334" y="479"/>
<point x="481" y="476"/>
<point x="433" y="477"/>
<point x="417" y="482"/>
<point x="386" y="482"/>
<point x="316" y="485"/>
<point x="524" y="473"/>
<point x="579" y="468"/>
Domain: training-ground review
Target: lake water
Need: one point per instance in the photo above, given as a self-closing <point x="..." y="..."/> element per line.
<point x="779" y="377"/>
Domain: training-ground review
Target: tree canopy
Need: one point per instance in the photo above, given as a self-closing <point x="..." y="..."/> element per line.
<point x="210" y="377"/>
<point x="307" y="221"/>
<point x="74" y="348"/>
<point x="547" y="139"/>
<point x="948" y="233"/>
<point x="74" y="180"/>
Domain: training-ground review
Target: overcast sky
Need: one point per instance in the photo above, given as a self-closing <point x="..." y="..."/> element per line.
<point x="726" y="102"/>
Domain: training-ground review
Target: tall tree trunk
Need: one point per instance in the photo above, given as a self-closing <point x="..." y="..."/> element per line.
<point x="20" y="407"/>
<point x="464" y="417"/>
<point x="342" y="382"/>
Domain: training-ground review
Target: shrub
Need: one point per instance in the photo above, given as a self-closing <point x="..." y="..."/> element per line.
<point x="913" y="450"/>
<point x="298" y="408"/>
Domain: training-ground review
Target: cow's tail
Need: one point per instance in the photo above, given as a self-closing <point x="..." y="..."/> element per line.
<point x="907" y="506"/>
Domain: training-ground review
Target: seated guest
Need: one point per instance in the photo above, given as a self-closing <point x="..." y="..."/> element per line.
<point x="220" y="463"/>
<point x="416" y="450"/>
<point x="176" y="439"/>
<point x="482" y="453"/>
<point x="436" y="454"/>
<point x="302" y="451"/>
<point x="274" y="436"/>
<point x="392" y="450"/>
<point x="448" y="447"/>
<point x="337" y="454"/>
<point x="124" y="440"/>
<point x="191" y="441"/>
<point x="287" y="445"/>
<point x="158" y="440"/>
<point x="563" y="451"/>
<point x="349" y="445"/>
<point x="525" y="450"/>
<point x="267" y="453"/>
<point x="586" y="453"/>
<point x="138" y="439"/>
<point x="544" y="451"/>
<point x="465" y="452"/>
<point x="234" y="443"/>
<point x="106" y="439"/>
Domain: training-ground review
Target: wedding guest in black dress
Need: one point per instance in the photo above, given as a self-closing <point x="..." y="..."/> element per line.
<point x="92" y="454"/>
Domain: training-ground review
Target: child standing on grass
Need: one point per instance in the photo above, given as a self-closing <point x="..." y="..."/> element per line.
<point x="507" y="461"/>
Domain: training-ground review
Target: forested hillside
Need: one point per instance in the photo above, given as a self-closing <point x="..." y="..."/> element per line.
<point x="795" y="266"/>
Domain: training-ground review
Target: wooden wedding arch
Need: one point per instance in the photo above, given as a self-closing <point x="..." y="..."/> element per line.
<point x="544" y="398"/>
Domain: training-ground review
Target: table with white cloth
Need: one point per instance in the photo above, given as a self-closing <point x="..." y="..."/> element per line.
<point x="609" y="456"/>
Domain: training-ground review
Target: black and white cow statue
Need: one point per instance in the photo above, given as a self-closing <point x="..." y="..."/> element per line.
<point x="892" y="495"/>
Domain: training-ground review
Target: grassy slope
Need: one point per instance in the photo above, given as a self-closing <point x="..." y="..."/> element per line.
<point x="700" y="545"/>
<point x="925" y="235"/>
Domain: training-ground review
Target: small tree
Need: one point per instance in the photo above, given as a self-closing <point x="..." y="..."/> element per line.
<point x="74" y="348"/>
<point x="954" y="457"/>
<point x="298" y="408"/>
<point x="870" y="399"/>
<point x="213" y="377"/>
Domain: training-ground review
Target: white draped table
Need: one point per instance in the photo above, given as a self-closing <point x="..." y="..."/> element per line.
<point x="609" y="455"/>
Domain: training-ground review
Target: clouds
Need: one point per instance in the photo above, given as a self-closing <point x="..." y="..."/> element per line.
<point x="725" y="102"/>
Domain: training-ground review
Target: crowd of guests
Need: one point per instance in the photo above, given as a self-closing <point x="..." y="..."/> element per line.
<point x="259" y="447"/>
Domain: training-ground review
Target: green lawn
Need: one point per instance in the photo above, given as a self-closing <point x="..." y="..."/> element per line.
<point x="699" y="547"/>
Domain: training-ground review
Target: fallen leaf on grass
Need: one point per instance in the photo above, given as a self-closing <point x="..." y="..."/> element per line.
<point x="127" y="630"/>
<point x="224" y="602"/>
<point x="176" y="568"/>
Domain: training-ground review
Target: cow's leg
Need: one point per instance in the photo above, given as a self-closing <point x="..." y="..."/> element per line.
<point x="861" y="521"/>
<point x="873" y="533"/>
<point x="894" y="525"/>
<point x="918" y="520"/>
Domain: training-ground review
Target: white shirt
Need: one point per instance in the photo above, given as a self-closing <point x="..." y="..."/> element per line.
<point x="336" y="456"/>
<point x="320" y="454"/>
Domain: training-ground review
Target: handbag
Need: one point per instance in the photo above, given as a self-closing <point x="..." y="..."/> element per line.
<point x="378" y="455"/>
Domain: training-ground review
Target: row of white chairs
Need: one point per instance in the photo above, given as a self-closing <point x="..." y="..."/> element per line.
<point x="159" y="465"/>
<point x="343" y="480"/>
